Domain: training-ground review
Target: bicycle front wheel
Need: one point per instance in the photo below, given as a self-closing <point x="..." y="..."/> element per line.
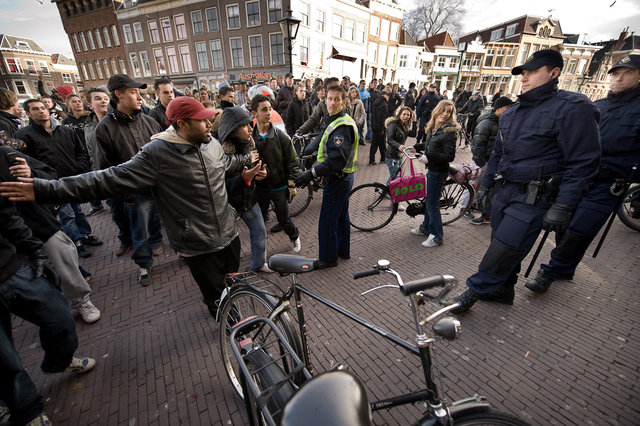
<point x="245" y="302"/>
<point x="629" y="211"/>
<point x="301" y="201"/>
<point x="370" y="207"/>
<point x="455" y="200"/>
<point x="488" y="418"/>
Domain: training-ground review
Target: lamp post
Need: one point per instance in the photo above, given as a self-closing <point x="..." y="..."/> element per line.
<point x="582" y="80"/>
<point x="289" y="27"/>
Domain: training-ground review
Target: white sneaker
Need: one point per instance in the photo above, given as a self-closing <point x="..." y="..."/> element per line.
<point x="401" y="208"/>
<point x="41" y="420"/>
<point x="264" y="268"/>
<point x="417" y="231"/>
<point x="80" y="365"/>
<point x="432" y="241"/>
<point x="89" y="312"/>
<point x="296" y="245"/>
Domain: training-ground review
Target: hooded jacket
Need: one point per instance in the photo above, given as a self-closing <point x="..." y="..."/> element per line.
<point x="187" y="183"/>
<point x="9" y="123"/>
<point x="440" y="147"/>
<point x="483" y="137"/>
<point x="397" y="135"/>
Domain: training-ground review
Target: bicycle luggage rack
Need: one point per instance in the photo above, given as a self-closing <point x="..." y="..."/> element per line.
<point x="278" y="374"/>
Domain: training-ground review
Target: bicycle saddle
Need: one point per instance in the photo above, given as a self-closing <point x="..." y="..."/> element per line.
<point x="332" y="398"/>
<point x="292" y="264"/>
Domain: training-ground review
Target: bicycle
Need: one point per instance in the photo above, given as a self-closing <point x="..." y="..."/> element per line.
<point x="464" y="136"/>
<point x="629" y="211"/>
<point x="301" y="201"/>
<point x="370" y="206"/>
<point x="268" y="360"/>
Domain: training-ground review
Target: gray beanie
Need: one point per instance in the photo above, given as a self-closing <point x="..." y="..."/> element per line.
<point x="232" y="118"/>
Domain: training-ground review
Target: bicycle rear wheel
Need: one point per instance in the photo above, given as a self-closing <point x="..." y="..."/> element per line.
<point x="455" y="201"/>
<point x="629" y="211"/>
<point x="301" y="201"/>
<point x="488" y="418"/>
<point x="245" y="302"/>
<point x="370" y="206"/>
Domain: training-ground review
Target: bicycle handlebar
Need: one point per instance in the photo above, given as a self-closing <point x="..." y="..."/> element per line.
<point x="362" y="274"/>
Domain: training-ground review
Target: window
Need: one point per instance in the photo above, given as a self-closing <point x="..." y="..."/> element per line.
<point x="453" y="63"/>
<point x="161" y="67"/>
<point x="31" y="66"/>
<point x="144" y="63"/>
<point x="123" y="67"/>
<point x="304" y="14"/>
<point x="496" y="34"/>
<point x="374" y="26"/>
<point x="66" y="78"/>
<point x="43" y="67"/>
<point x="488" y="59"/>
<point x="196" y="22"/>
<point x="544" y="32"/>
<point x="137" y="30"/>
<point x="13" y="65"/>
<point x="84" y="72"/>
<point x="105" y="65"/>
<point x="99" y="70"/>
<point x="583" y="64"/>
<point x="511" y="30"/>
<point x="181" y="29"/>
<point x="466" y="63"/>
<point x="361" y="33"/>
<point x="107" y="39"/>
<point x="417" y="62"/>
<point x="571" y="67"/>
<point x="304" y="50"/>
<point x="172" y="58"/>
<point x="384" y="30"/>
<point x="128" y="35"/>
<point x="98" y="39"/>
<point x="441" y="62"/>
<point x="114" y="66"/>
<point x="277" y="49"/>
<point x="185" y="57"/>
<point x="382" y="53"/>
<point x="320" y="17"/>
<point x="84" y="42"/>
<point x="403" y="61"/>
<point x="154" y="32"/>
<point x="135" y="65"/>
<point x="510" y="59"/>
<point x="391" y="57"/>
<point x="395" y="31"/>
<point x="233" y="16"/>
<point x="212" y="19"/>
<point x="373" y="52"/>
<point x="21" y="88"/>
<point x="167" y="33"/>
<point x="253" y="13"/>
<point x="320" y="53"/>
<point x="337" y="27"/>
<point x="499" y="58"/>
<point x="202" y="56"/>
<point x="76" y="42"/>
<point x="91" y="71"/>
<point x="114" y="32"/>
<point x="216" y="54"/>
<point x="91" y="42"/>
<point x="524" y="53"/>
<point x="275" y="10"/>
<point x="255" y="47"/>
<point x="349" y="30"/>
<point x="237" y="57"/>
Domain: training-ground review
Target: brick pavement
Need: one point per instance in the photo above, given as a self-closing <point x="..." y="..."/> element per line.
<point x="567" y="357"/>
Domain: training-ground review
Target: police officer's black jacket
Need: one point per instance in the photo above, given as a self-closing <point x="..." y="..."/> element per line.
<point x="426" y="104"/>
<point x="483" y="137"/>
<point x="620" y="132"/>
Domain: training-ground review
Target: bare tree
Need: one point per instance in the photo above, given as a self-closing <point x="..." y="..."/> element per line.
<point x="431" y="17"/>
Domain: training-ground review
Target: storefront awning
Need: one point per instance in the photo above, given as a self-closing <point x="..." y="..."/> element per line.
<point x="343" y="54"/>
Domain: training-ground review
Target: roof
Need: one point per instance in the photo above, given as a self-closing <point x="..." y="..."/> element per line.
<point x="525" y="24"/>
<point x="59" y="59"/>
<point x="9" y="42"/>
<point x="440" y="39"/>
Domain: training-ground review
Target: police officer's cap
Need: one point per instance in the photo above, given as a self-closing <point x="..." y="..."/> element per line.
<point x="629" y="61"/>
<point x="550" y="57"/>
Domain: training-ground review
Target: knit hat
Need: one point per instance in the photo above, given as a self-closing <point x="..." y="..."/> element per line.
<point x="502" y="101"/>
<point x="232" y="118"/>
<point x="64" y="91"/>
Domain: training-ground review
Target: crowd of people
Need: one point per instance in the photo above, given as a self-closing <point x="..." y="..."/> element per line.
<point x="192" y="162"/>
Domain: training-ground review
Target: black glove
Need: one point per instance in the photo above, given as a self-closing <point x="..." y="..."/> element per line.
<point x="304" y="178"/>
<point x="38" y="259"/>
<point x="557" y="218"/>
<point x="482" y="197"/>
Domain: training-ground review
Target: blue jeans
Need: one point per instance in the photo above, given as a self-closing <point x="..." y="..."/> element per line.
<point x="74" y="222"/>
<point x="257" y="234"/>
<point x="393" y="164"/>
<point x="369" y="134"/>
<point x="334" y="229"/>
<point x="145" y="229"/>
<point x="432" y="223"/>
<point x="39" y="302"/>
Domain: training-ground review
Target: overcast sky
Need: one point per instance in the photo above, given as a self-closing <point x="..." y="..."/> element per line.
<point x="600" y="19"/>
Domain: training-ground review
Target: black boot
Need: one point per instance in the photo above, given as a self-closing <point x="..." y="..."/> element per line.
<point x="505" y="295"/>
<point x="466" y="301"/>
<point x="540" y="283"/>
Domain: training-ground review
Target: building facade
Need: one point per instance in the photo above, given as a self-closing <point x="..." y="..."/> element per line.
<point x="385" y="26"/>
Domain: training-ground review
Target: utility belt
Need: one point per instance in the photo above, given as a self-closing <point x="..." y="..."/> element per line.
<point x="339" y="176"/>
<point x="548" y="185"/>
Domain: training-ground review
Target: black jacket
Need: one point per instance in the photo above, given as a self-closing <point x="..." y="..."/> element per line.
<point x="410" y="98"/>
<point x="462" y="99"/>
<point x="483" y="137"/>
<point x="285" y="97"/>
<point x="379" y="114"/>
<point x="9" y="123"/>
<point x="276" y="150"/>
<point x="241" y="196"/>
<point x="61" y="149"/>
<point x="426" y="104"/>
<point x="394" y="103"/>
<point x="298" y="112"/>
<point x="159" y="113"/>
<point x="397" y="135"/>
<point x="473" y="107"/>
<point x="440" y="147"/>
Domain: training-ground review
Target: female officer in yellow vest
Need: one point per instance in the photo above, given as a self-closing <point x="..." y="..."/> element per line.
<point x="337" y="155"/>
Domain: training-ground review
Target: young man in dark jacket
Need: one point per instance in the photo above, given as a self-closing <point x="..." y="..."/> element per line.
<point x="473" y="108"/>
<point x="61" y="148"/>
<point x="379" y="113"/>
<point x="285" y="96"/>
<point x="298" y="111"/>
<point x="9" y="122"/>
<point x="164" y="92"/>
<point x="276" y="150"/>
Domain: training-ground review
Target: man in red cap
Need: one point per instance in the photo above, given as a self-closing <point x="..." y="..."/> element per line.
<point x="181" y="168"/>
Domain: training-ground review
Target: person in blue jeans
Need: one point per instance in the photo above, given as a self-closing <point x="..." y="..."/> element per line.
<point x="235" y="132"/>
<point x="439" y="150"/>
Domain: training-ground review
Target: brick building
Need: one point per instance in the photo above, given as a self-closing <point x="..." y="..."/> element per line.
<point x="23" y="61"/>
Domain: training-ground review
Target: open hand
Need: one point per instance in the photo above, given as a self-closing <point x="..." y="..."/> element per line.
<point x="18" y="191"/>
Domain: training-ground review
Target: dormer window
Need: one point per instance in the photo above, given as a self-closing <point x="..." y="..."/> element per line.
<point x="22" y="45"/>
<point x="496" y="34"/>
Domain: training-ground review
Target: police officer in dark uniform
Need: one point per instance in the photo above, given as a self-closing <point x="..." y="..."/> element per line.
<point x="337" y="156"/>
<point x="620" y="138"/>
<point x="426" y="104"/>
<point x="546" y="151"/>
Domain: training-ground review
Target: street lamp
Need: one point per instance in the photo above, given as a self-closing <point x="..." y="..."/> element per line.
<point x="582" y="80"/>
<point x="289" y="27"/>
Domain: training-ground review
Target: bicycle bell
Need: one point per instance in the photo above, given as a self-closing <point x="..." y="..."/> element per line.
<point x="447" y="328"/>
<point x="383" y="264"/>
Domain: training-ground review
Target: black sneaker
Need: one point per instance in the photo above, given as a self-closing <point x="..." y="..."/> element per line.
<point x="82" y="250"/>
<point x="466" y="301"/>
<point x="480" y="221"/>
<point x="540" y="283"/>
<point x="505" y="295"/>
<point x="145" y="277"/>
<point x="92" y="240"/>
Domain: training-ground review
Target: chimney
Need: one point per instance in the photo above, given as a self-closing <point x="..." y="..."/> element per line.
<point x="623" y="35"/>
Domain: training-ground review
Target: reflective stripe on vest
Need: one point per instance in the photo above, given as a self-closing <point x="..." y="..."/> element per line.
<point x="345" y="120"/>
